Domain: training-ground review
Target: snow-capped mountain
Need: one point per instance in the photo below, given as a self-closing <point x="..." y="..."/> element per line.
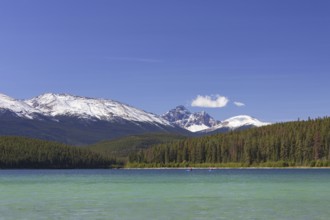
<point x="201" y="122"/>
<point x="77" y="120"/>
<point x="242" y="120"/>
<point x="20" y="108"/>
<point x="193" y="122"/>
<point x="237" y="122"/>
<point x="89" y="108"/>
<point x="53" y="105"/>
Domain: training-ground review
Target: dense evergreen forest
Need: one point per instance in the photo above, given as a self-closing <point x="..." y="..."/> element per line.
<point x="19" y="152"/>
<point x="300" y="143"/>
<point x="120" y="148"/>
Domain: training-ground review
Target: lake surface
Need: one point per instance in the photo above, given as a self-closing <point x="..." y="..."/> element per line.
<point x="165" y="194"/>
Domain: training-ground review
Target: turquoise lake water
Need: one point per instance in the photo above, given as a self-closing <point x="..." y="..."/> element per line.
<point x="165" y="194"/>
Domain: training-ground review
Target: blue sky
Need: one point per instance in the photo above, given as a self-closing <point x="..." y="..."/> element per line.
<point x="273" y="56"/>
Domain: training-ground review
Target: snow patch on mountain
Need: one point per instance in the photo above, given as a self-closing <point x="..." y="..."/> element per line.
<point x="243" y="120"/>
<point x="20" y="108"/>
<point x="52" y="105"/>
<point x="237" y="122"/>
<point x="67" y="105"/>
<point x="196" y="128"/>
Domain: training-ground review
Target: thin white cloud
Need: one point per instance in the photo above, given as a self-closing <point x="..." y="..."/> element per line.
<point x="134" y="59"/>
<point x="216" y="101"/>
<point x="239" y="104"/>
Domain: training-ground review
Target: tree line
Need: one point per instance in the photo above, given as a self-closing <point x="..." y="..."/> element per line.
<point x="300" y="143"/>
<point x="19" y="152"/>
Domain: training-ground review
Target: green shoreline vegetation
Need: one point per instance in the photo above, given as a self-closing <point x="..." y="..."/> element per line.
<point x="282" y="145"/>
<point x="300" y="144"/>
<point x="279" y="164"/>
<point x="27" y="153"/>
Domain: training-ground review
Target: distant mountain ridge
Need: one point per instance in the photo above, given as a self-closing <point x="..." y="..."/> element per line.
<point x="20" y="108"/>
<point x="80" y="120"/>
<point x="239" y="122"/>
<point x="53" y="105"/>
<point x="77" y="120"/>
<point x="201" y="122"/>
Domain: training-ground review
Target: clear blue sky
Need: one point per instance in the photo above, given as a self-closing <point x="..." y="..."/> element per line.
<point x="273" y="56"/>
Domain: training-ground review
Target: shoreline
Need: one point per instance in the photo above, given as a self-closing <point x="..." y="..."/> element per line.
<point x="218" y="168"/>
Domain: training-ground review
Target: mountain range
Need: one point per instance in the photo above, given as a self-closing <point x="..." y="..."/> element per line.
<point x="201" y="122"/>
<point x="80" y="120"/>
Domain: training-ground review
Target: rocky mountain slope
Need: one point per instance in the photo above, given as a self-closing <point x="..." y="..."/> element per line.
<point x="193" y="122"/>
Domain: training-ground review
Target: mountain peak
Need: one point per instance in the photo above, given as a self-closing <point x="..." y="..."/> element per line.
<point x="5" y="97"/>
<point x="193" y="122"/>
<point x="244" y="120"/>
<point x="237" y="122"/>
<point x="178" y="113"/>
<point x="83" y="107"/>
<point x="20" y="108"/>
<point x="181" y="108"/>
<point x="53" y="96"/>
<point x="53" y="105"/>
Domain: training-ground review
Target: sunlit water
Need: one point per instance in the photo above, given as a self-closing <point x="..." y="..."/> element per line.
<point x="165" y="194"/>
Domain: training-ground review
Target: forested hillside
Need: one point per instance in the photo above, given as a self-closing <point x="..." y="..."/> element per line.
<point x="120" y="148"/>
<point x="18" y="152"/>
<point x="301" y="143"/>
